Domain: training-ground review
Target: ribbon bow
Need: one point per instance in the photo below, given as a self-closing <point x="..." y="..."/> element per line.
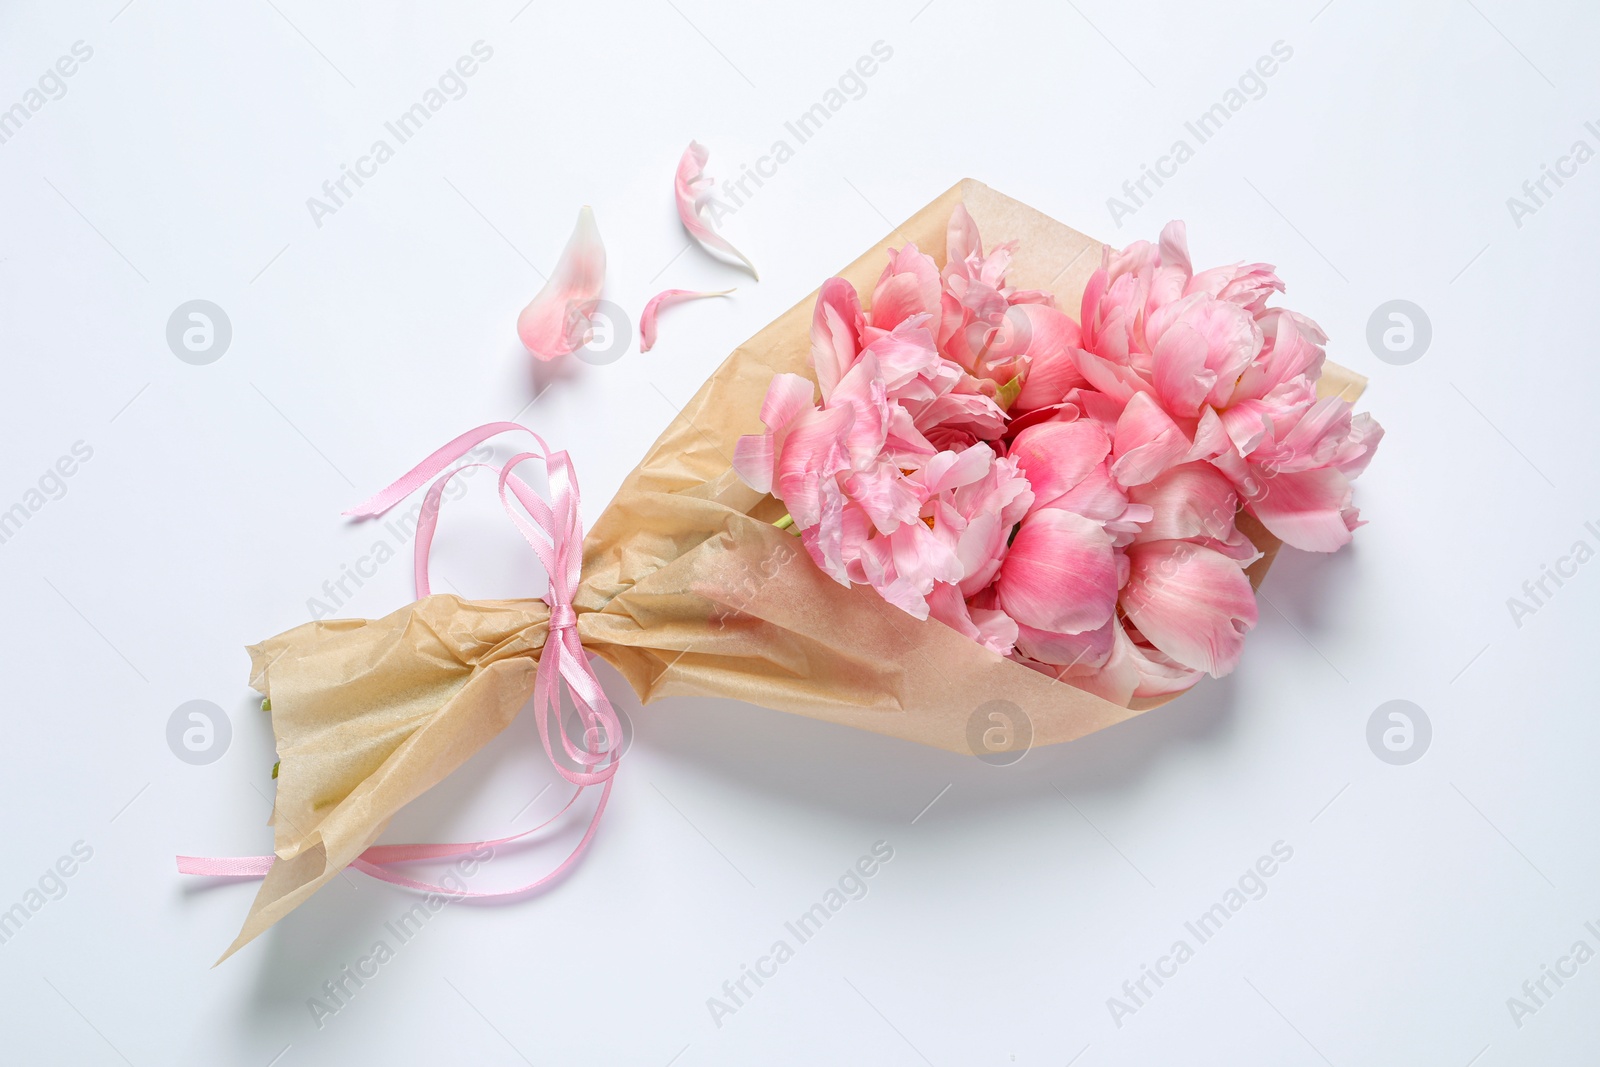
<point x="555" y="532"/>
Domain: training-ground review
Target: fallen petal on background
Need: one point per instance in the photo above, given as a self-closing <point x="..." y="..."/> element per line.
<point x="693" y="190"/>
<point x="556" y="321"/>
<point x="665" y="299"/>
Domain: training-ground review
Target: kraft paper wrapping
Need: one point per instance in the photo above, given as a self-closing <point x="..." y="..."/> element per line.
<point x="687" y="590"/>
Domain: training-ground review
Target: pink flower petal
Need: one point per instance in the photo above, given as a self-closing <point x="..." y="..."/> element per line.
<point x="665" y="299"/>
<point x="1056" y="456"/>
<point x="951" y="470"/>
<point x="693" y="190"/>
<point x="835" y="543"/>
<point x="889" y="499"/>
<point x="753" y="458"/>
<point x="1179" y="370"/>
<point x="1090" y="648"/>
<point x="1113" y="379"/>
<point x="1051" y="336"/>
<point x="863" y="392"/>
<point x="1307" y="509"/>
<point x="1059" y="574"/>
<point x="1191" y="602"/>
<point x="1147" y="441"/>
<point x="961" y="237"/>
<point x="1356" y="452"/>
<point x="808" y="457"/>
<point x="1289" y="350"/>
<point x="1315" y="438"/>
<point x="787" y="396"/>
<point x="908" y="286"/>
<point x="904" y="353"/>
<point x="1192" y="500"/>
<point x="835" y="333"/>
<point x="1231" y="336"/>
<point x="1097" y="497"/>
<point x="992" y="629"/>
<point x="556" y="321"/>
<point x="907" y="565"/>
<point x="755" y="455"/>
<point x="1157" y="673"/>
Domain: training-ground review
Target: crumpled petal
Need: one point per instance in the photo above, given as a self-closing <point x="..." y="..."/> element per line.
<point x="991" y="628"/>
<point x="1356" y="452"/>
<point x="665" y="299"/>
<point x="556" y="321"/>
<point x="693" y="189"/>
<point x="888" y="498"/>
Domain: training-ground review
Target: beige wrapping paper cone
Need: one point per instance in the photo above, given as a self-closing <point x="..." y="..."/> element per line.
<point x="687" y="590"/>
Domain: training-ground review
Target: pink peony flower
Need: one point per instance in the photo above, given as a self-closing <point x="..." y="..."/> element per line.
<point x="977" y="305"/>
<point x="888" y="479"/>
<point x="1235" y="379"/>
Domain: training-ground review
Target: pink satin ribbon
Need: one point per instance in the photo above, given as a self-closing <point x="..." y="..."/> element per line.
<point x="556" y="534"/>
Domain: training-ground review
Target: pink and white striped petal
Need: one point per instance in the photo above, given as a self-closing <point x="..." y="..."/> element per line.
<point x="665" y="299"/>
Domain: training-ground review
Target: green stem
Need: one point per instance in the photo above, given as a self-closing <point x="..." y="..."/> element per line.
<point x="785" y="522"/>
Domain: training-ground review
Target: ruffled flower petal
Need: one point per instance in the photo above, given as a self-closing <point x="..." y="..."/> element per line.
<point x="889" y="499"/>
<point x="1180" y="376"/>
<point x="754" y="455"/>
<point x="991" y="628"/>
<point x="809" y="452"/>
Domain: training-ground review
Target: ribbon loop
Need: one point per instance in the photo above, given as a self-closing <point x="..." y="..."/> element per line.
<point x="555" y="532"/>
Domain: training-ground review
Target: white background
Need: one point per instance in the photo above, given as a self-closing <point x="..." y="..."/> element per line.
<point x="1376" y="166"/>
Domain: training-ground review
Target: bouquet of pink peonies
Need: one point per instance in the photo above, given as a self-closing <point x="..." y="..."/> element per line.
<point x="1064" y="495"/>
<point x="997" y="507"/>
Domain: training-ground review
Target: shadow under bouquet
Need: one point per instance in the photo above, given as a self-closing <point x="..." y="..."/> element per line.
<point x="926" y="501"/>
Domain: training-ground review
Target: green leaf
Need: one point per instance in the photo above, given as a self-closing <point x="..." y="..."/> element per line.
<point x="1008" y="393"/>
